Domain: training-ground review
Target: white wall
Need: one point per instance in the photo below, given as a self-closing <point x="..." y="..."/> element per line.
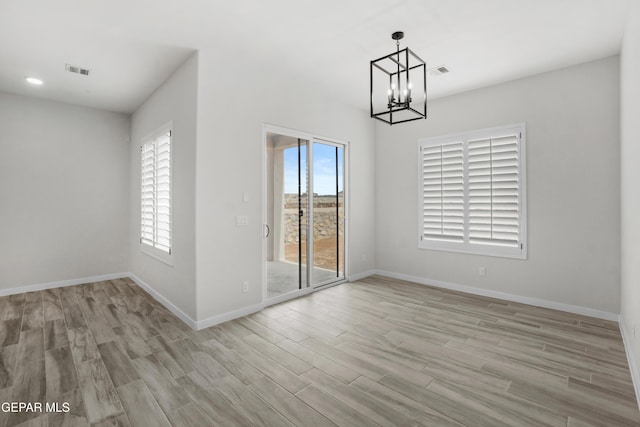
<point x="573" y="187"/>
<point x="174" y="101"/>
<point x="630" y="182"/>
<point x="233" y="104"/>
<point x="63" y="191"/>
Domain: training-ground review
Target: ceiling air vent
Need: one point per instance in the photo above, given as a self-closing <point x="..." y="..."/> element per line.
<point x="77" y="70"/>
<point x="439" y="70"/>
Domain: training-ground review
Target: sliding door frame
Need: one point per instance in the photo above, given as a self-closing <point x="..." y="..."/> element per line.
<point x="311" y="219"/>
<point x="311" y="138"/>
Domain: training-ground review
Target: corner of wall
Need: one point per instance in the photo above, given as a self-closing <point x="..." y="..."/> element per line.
<point x="631" y="358"/>
<point x="630" y="200"/>
<point x="175" y="101"/>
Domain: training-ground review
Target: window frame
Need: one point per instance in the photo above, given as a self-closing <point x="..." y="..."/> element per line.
<point x="145" y="248"/>
<point x="466" y="247"/>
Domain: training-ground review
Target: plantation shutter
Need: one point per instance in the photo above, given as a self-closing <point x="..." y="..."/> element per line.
<point x="163" y="192"/>
<point x="494" y="187"/>
<point x="148" y="190"/>
<point x="155" y="227"/>
<point x="443" y="192"/>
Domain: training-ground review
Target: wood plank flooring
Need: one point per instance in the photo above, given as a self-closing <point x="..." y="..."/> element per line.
<point x="374" y="352"/>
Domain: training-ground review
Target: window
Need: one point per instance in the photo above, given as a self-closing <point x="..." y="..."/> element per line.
<point x="155" y="200"/>
<point x="473" y="192"/>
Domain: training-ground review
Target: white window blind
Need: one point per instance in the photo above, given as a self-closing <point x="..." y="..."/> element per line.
<point x="494" y="191"/>
<point x="443" y="192"/>
<point x="472" y="192"/>
<point x="155" y="225"/>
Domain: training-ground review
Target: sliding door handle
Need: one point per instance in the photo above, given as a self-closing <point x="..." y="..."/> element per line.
<point x="268" y="231"/>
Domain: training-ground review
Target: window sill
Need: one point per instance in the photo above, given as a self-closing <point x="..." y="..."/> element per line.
<point x="488" y="251"/>
<point x="157" y="254"/>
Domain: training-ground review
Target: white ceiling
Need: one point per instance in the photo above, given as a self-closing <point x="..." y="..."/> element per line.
<point x="132" y="46"/>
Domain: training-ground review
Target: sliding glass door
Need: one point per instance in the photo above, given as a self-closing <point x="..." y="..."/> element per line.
<point x="293" y="232"/>
<point x="328" y="213"/>
<point x="287" y="202"/>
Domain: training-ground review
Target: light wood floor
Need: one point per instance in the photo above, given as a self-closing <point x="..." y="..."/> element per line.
<point x="374" y="352"/>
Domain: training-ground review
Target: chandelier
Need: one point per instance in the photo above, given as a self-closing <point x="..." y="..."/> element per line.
<point x="398" y="86"/>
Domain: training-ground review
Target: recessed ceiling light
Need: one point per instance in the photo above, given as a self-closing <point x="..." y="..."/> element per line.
<point x="34" y="81"/>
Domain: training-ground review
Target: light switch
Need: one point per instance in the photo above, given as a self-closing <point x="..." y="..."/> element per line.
<point x="242" y="220"/>
<point x="245" y="197"/>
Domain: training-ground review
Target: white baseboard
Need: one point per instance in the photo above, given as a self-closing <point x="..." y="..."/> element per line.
<point x="195" y="324"/>
<point x="356" y="277"/>
<point x="631" y="360"/>
<point x="164" y="301"/>
<point x="60" y="284"/>
<point x="230" y="315"/>
<point x="287" y="297"/>
<point x="584" y="311"/>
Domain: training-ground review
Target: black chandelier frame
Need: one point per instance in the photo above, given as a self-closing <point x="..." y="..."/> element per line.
<point x="401" y="58"/>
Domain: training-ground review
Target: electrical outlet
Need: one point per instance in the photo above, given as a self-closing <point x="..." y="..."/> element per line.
<point x="482" y="271"/>
<point x="242" y="221"/>
<point x="245" y="286"/>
